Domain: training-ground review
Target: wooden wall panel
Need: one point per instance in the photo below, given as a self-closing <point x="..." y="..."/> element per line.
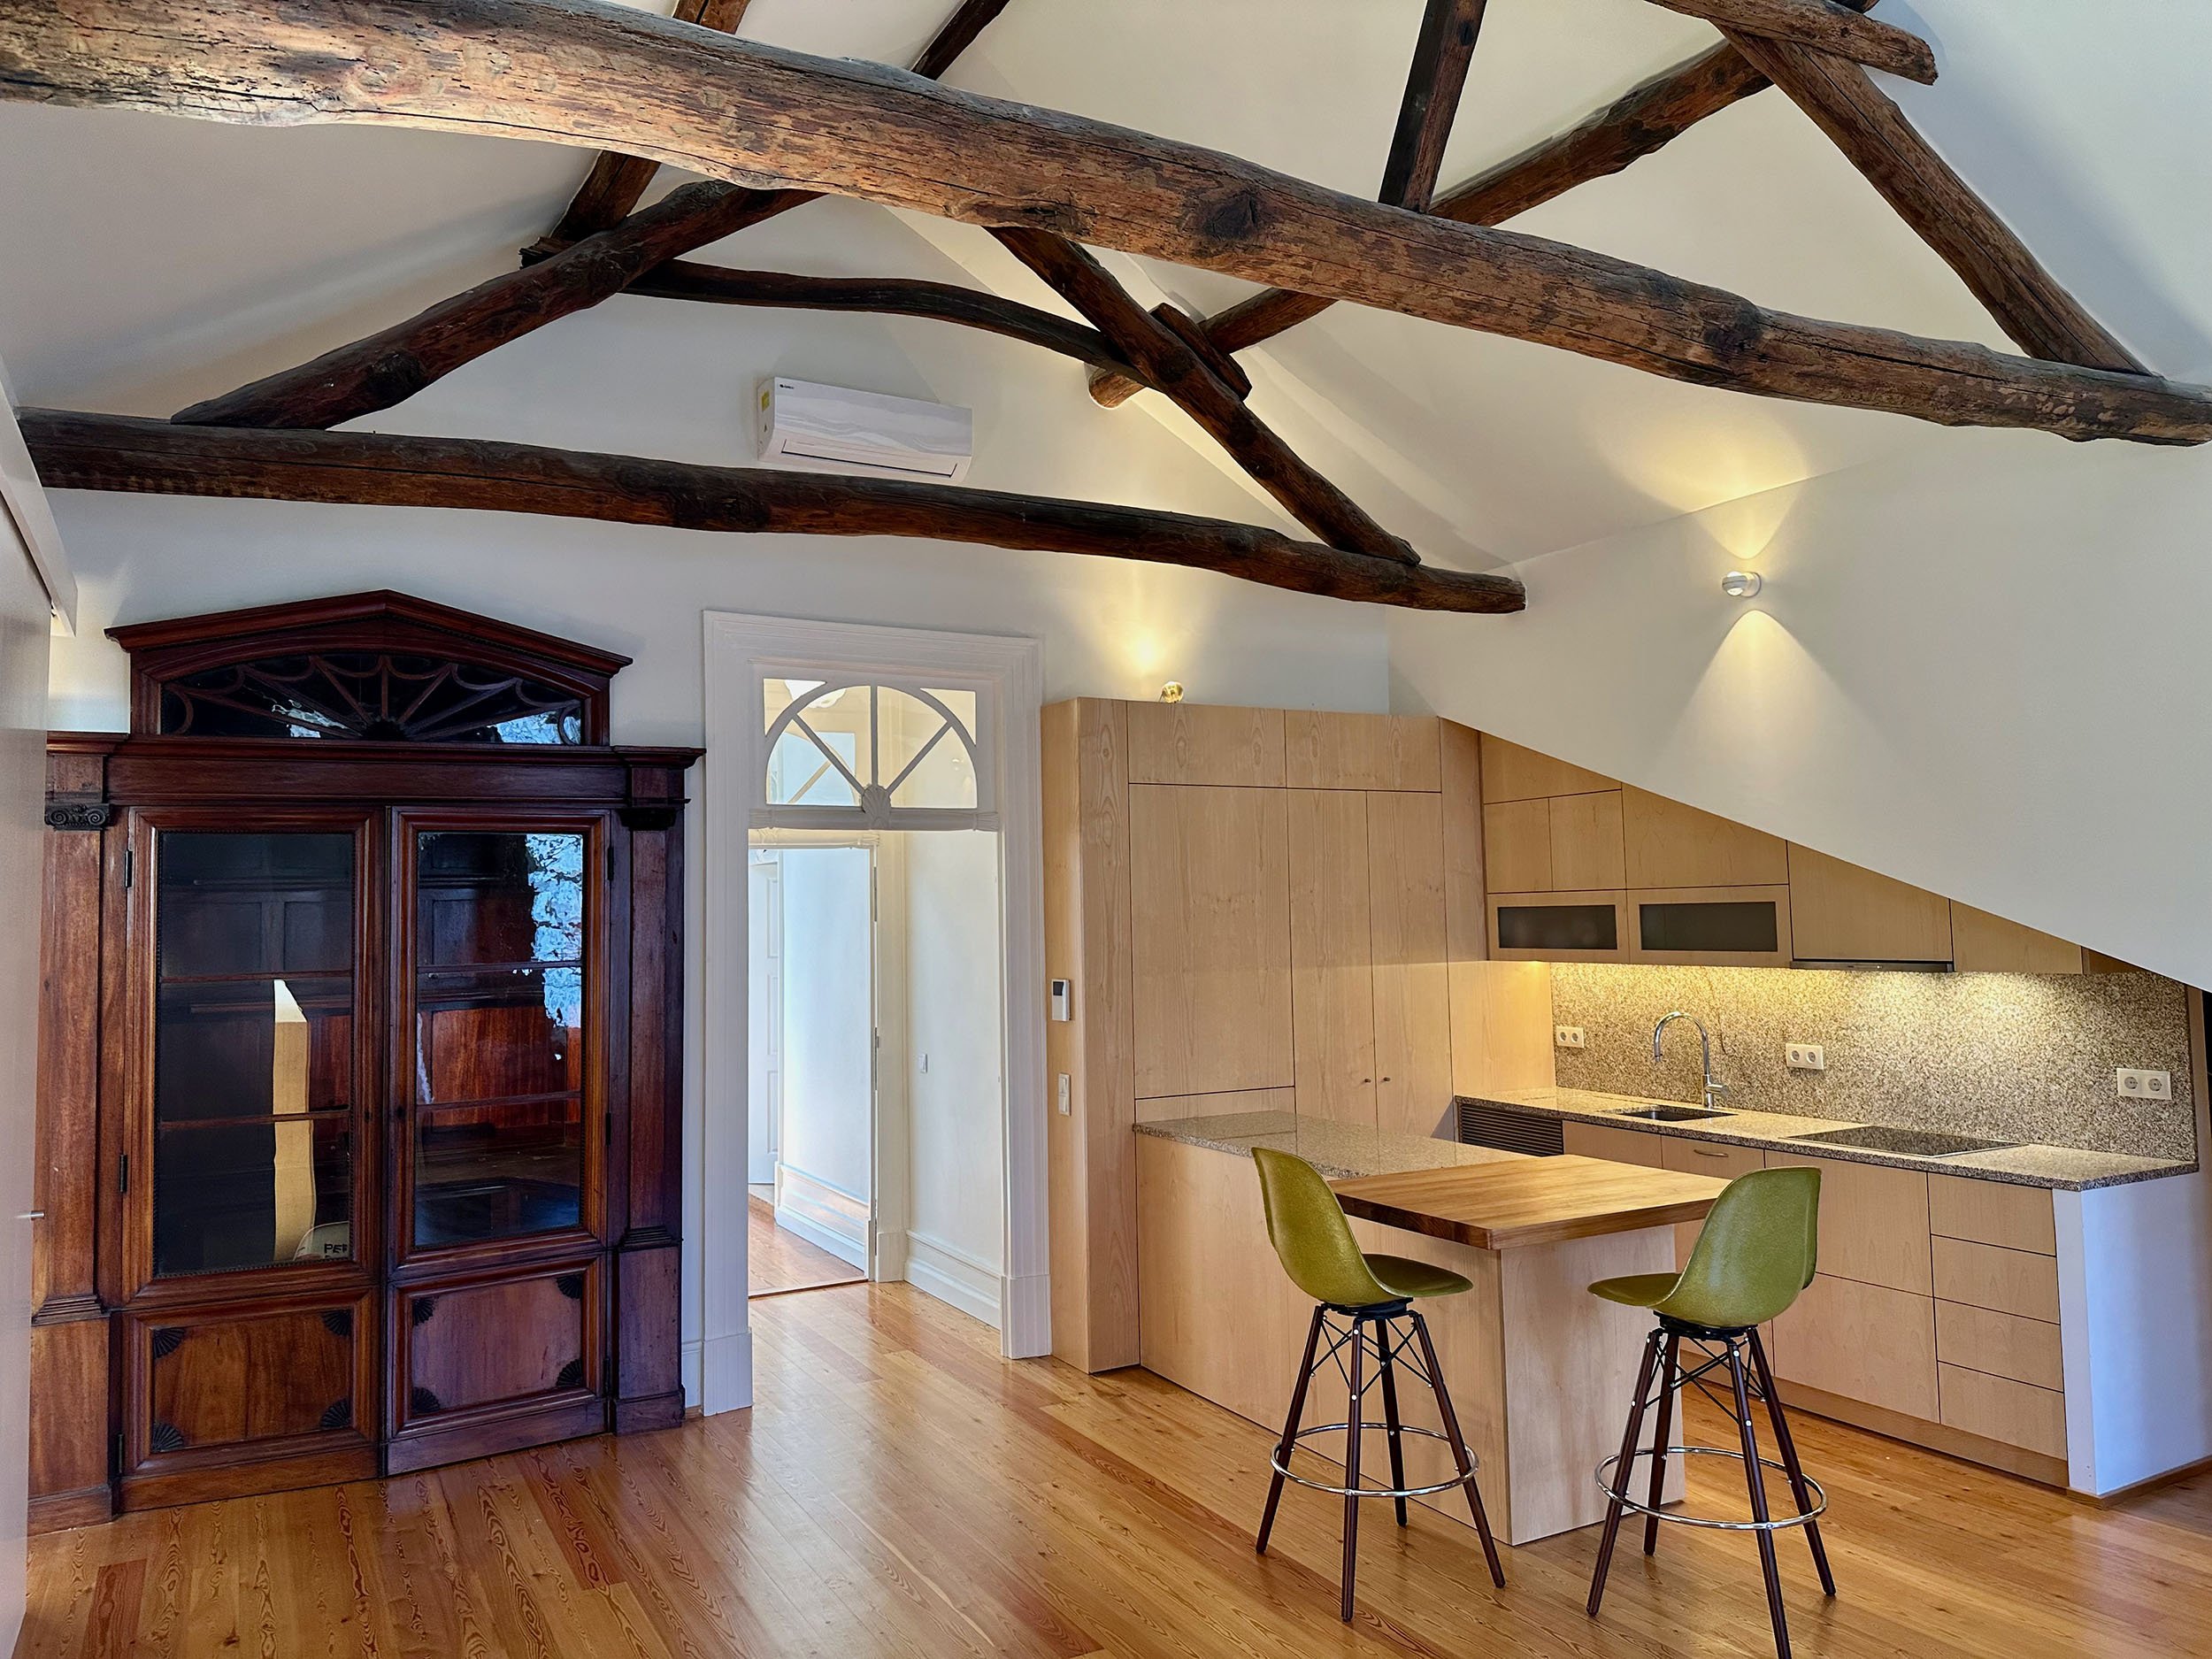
<point x="1332" y="979"/>
<point x="1322" y="750"/>
<point x="1412" y="993"/>
<point x="1466" y="929"/>
<point x="1188" y="742"/>
<point x="1209" y="884"/>
<point x="1502" y="1027"/>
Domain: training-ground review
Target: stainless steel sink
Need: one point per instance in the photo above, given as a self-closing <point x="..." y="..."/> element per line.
<point x="1670" y="1114"/>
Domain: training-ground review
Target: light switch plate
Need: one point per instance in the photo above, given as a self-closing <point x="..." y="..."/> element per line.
<point x="2137" y="1084"/>
<point x="1061" y="1081"/>
<point x="1567" y="1036"/>
<point x="1805" y="1057"/>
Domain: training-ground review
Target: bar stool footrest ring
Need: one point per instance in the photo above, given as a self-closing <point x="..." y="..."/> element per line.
<point x="1276" y="1462"/>
<point x="1775" y="1524"/>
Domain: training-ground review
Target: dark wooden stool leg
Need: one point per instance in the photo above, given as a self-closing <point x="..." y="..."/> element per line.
<point x="1624" y="1470"/>
<point x="1352" y="1426"/>
<point x="1787" y="1442"/>
<point x="1290" y="1430"/>
<point x="1667" y="1370"/>
<point x="1755" y="1478"/>
<point x="1390" y="1417"/>
<point x="1461" y="1459"/>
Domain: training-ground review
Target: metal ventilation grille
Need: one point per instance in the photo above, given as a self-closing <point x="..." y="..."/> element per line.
<point x="1482" y="1125"/>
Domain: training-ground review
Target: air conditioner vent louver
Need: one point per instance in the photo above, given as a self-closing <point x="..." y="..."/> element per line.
<point x="811" y="428"/>
<point x="1483" y="1125"/>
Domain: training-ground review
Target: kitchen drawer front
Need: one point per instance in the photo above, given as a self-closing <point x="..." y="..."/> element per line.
<point x="1619" y="1146"/>
<point x="1865" y="1342"/>
<point x="1873" y="1222"/>
<point x="1987" y="1276"/>
<point x="2000" y="1344"/>
<point x="1998" y="1408"/>
<point x="1990" y="1212"/>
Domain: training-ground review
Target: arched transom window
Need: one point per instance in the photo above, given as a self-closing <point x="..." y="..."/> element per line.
<point x="879" y="754"/>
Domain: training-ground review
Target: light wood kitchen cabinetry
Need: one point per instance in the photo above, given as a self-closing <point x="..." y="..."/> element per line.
<point x="1189" y="742"/>
<point x="1990" y="1276"/>
<point x="1873" y="1222"/>
<point x="1839" y="912"/>
<point x="1210" y="886"/>
<point x="1981" y="943"/>
<point x="1714" y="927"/>
<point x="1361" y="751"/>
<point x="1516" y="846"/>
<point x="1408" y="946"/>
<point x="1991" y="1212"/>
<point x="1567" y="843"/>
<point x="1618" y="1146"/>
<point x="1511" y="773"/>
<point x="1869" y="1343"/>
<point x="1669" y="845"/>
<point x="1332" y="976"/>
<point x="1714" y="1158"/>
<point x="1559" y="926"/>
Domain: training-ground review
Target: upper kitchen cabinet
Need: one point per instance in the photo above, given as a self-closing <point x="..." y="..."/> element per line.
<point x="1669" y="845"/>
<point x="1189" y="742"/>
<point x="1842" y="913"/>
<point x="1362" y="751"/>
<point x="1511" y="773"/>
<point x="1210" y="939"/>
<point x="1990" y="944"/>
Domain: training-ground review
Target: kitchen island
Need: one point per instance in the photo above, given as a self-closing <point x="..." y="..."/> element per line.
<point x="1540" y="1371"/>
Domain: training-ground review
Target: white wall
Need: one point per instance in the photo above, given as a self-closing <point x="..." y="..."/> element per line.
<point x="956" y="1213"/>
<point x="829" y="1017"/>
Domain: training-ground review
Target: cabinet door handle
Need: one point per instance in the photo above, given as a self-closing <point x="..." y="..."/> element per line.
<point x="32" y="1215"/>
<point x="1708" y="1152"/>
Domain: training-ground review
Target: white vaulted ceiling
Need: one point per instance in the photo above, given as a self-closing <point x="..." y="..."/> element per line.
<point x="144" y="263"/>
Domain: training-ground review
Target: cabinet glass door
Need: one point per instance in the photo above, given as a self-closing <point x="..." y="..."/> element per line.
<point x="500" y="1102"/>
<point x="253" y="1021"/>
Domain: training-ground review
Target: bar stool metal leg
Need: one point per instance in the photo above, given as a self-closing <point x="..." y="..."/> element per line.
<point x="1352" y="1426"/>
<point x="1669" y="1369"/>
<point x="1462" y="1459"/>
<point x="1755" y="1477"/>
<point x="1787" y="1444"/>
<point x="1625" y="1463"/>
<point x="1290" y="1431"/>
<point x="1390" y="1417"/>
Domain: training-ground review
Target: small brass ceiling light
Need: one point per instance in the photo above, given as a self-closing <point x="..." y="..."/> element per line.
<point x="1742" y="584"/>
<point x="1171" y="692"/>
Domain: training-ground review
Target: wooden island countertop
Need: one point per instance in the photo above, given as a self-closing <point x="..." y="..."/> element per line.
<point x="1521" y="1201"/>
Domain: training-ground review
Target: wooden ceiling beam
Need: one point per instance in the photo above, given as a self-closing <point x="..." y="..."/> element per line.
<point x="1440" y="56"/>
<point x="616" y="183"/>
<point x="592" y="74"/>
<point x="958" y="33"/>
<point x="113" y="452"/>
<point x="1631" y="128"/>
<point x="1826" y="27"/>
<point x="1167" y="360"/>
<point x="898" y="296"/>
<point x="2029" y="304"/>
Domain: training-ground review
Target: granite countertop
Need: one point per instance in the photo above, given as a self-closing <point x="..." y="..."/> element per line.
<point x="2066" y="1169"/>
<point x="1340" y="1151"/>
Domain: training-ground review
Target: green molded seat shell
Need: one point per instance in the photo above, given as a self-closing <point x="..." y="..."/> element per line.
<point x="1306" y="1225"/>
<point x="1760" y="1249"/>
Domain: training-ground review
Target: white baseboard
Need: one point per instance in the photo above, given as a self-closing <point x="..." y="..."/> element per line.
<point x="726" y="1373"/>
<point x="892" y="1251"/>
<point x="822" y="1215"/>
<point x="952" y="1275"/>
<point x="1027" y="1304"/>
<point x="854" y="1251"/>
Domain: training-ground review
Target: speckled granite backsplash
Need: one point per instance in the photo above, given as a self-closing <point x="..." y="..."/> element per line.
<point x="2007" y="1056"/>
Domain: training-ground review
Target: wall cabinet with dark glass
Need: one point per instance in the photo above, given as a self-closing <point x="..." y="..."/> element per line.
<point x="356" y="1143"/>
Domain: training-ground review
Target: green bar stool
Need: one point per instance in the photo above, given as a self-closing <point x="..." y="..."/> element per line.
<point x="1364" y="1303"/>
<point x="1758" y="1251"/>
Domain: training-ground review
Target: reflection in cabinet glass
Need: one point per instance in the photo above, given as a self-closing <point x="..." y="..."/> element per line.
<point x="1558" y="927"/>
<point x="253" y="1037"/>
<point x="499" y="1056"/>
<point x="1715" y="926"/>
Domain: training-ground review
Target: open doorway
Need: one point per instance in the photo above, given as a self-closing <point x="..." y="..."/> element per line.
<point x="876" y="1082"/>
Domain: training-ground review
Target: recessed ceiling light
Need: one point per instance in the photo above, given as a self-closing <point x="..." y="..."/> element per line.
<point x="1742" y="584"/>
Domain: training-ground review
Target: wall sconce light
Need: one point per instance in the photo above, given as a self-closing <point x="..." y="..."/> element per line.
<point x="1742" y="584"/>
<point x="1171" y="692"/>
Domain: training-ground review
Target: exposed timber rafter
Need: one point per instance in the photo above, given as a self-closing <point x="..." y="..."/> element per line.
<point x="615" y="183"/>
<point x="958" y="33"/>
<point x="594" y="74"/>
<point x="1165" y="355"/>
<point x="1440" y="56"/>
<point x="2028" y="302"/>
<point x="1827" y="27"/>
<point x="114" y="452"/>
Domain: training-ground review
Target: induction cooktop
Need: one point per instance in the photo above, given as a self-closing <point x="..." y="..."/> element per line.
<point x="1920" y="1143"/>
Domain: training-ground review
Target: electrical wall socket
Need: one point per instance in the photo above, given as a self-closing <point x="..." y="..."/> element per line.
<point x="1566" y="1036"/>
<point x="1805" y="1057"/>
<point x="2139" y="1084"/>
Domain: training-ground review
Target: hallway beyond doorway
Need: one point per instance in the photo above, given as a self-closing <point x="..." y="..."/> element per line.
<point x="782" y="1262"/>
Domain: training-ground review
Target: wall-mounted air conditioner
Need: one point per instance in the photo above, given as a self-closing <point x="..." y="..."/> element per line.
<point x="830" y="429"/>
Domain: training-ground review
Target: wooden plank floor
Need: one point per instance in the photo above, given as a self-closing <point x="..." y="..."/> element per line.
<point x="901" y="1490"/>
<point x="777" y="1260"/>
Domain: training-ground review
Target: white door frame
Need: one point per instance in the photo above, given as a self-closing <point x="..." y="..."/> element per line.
<point x="1006" y="672"/>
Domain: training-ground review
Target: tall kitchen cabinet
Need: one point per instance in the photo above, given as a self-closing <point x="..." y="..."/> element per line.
<point x="360" y="1063"/>
<point x="1256" y="911"/>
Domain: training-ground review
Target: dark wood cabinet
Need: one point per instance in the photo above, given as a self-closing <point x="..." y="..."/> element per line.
<point x="361" y="1060"/>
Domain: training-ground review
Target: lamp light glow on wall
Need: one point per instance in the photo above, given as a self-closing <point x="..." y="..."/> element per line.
<point x="1742" y="584"/>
